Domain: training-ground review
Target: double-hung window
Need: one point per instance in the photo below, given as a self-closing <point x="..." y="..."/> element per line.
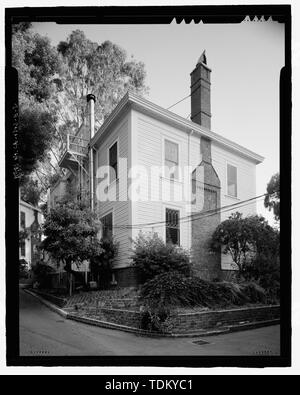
<point x="22" y="220"/>
<point x="107" y="226"/>
<point x="22" y="248"/>
<point x="172" y="226"/>
<point x="113" y="162"/>
<point x="231" y="180"/>
<point x="172" y="159"/>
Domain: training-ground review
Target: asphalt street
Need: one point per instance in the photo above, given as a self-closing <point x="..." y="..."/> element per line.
<point x="44" y="333"/>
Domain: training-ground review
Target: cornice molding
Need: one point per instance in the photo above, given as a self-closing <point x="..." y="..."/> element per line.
<point x="156" y="111"/>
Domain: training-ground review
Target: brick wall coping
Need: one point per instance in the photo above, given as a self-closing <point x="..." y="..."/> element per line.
<point x="229" y="310"/>
<point x="117" y="310"/>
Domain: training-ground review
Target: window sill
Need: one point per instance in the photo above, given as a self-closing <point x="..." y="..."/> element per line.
<point x="232" y="197"/>
<point x="111" y="184"/>
<point x="171" y="180"/>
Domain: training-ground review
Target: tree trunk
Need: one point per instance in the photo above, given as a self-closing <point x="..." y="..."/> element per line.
<point x="68" y="269"/>
<point x="70" y="284"/>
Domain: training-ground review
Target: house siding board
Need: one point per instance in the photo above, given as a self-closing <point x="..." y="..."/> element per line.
<point x="245" y="178"/>
<point x="150" y="135"/>
<point x="120" y="209"/>
<point x="140" y="139"/>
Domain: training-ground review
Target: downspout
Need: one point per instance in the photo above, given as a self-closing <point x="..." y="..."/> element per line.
<point x="189" y="233"/>
<point x="91" y="101"/>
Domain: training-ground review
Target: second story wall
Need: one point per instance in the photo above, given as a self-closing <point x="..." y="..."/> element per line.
<point x="148" y="149"/>
<point x="149" y="140"/>
<point x="224" y="162"/>
<point x="120" y="209"/>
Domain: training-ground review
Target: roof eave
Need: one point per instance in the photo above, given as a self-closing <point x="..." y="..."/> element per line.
<point x="143" y="104"/>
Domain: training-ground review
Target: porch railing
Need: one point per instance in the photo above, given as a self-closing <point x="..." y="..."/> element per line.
<point x="77" y="145"/>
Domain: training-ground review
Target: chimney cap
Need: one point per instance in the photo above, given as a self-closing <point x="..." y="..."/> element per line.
<point x="90" y="96"/>
<point x="202" y="58"/>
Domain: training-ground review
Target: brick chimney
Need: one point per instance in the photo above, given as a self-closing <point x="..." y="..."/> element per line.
<point x="206" y="185"/>
<point x="200" y="93"/>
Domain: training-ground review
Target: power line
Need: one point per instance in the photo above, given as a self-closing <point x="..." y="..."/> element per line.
<point x="211" y="211"/>
<point x="173" y="105"/>
<point x="195" y="216"/>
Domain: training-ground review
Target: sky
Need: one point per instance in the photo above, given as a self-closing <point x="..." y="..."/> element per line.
<point x="245" y="60"/>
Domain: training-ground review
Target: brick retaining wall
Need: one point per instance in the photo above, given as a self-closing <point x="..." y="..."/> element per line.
<point x="185" y="322"/>
<point x="191" y="321"/>
<point x="61" y="302"/>
<point x="181" y="322"/>
<point x="122" y="317"/>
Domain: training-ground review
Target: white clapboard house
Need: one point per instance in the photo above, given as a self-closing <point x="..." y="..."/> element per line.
<point x="170" y="175"/>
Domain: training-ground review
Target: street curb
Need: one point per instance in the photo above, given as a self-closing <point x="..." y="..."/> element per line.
<point x="253" y="325"/>
<point x="50" y="305"/>
<point x="141" y="332"/>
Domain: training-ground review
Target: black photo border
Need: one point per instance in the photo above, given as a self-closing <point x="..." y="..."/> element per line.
<point x="144" y="15"/>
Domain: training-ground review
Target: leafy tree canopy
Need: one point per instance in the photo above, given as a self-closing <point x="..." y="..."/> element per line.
<point x="103" y="70"/>
<point x="53" y="84"/>
<point x="245" y="239"/>
<point x="272" y="200"/>
<point x="36" y="132"/>
<point x="37" y="63"/>
<point x="30" y="191"/>
<point x="71" y="234"/>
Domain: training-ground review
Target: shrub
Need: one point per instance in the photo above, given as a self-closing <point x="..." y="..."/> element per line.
<point x="166" y="290"/>
<point x="41" y="272"/>
<point x="101" y="265"/>
<point x="251" y="242"/>
<point x="254" y="292"/>
<point x="169" y="290"/>
<point x="155" y="320"/>
<point x="23" y="268"/>
<point x="152" y="257"/>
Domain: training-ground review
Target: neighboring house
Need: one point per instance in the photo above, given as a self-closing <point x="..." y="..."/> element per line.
<point x="30" y="218"/>
<point x="147" y="136"/>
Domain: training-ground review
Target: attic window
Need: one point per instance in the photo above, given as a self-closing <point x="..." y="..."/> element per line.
<point x="231" y="180"/>
<point x="107" y="226"/>
<point x="22" y="220"/>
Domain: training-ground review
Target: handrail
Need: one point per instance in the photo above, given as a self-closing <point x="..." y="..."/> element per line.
<point x="77" y="144"/>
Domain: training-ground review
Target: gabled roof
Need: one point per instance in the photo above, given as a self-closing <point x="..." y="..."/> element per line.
<point x="131" y="100"/>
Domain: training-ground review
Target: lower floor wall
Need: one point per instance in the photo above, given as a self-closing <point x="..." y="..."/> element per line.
<point x="126" y="277"/>
<point x="60" y="280"/>
<point x="120" y="277"/>
<point x="129" y="276"/>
